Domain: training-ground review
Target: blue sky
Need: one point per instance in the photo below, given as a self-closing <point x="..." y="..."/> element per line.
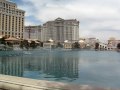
<point x="98" y="18"/>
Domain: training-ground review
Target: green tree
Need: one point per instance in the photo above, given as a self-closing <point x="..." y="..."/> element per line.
<point x="96" y="46"/>
<point x="59" y="45"/>
<point x="21" y="44"/>
<point x="76" y="45"/>
<point x="41" y="44"/>
<point x="118" y="46"/>
<point x="33" y="44"/>
<point x="2" y="40"/>
<point x="26" y="44"/>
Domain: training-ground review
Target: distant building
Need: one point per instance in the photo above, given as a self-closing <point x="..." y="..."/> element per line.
<point x="32" y="32"/>
<point x="60" y="30"/>
<point x="112" y="44"/>
<point x="68" y="45"/>
<point x="11" y="19"/>
<point x="82" y="43"/>
<point x="103" y="46"/>
<point x="49" y="44"/>
<point x="90" y="42"/>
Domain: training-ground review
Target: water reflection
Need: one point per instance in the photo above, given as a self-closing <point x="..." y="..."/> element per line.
<point x="82" y="67"/>
<point x="12" y="66"/>
<point x="56" y="65"/>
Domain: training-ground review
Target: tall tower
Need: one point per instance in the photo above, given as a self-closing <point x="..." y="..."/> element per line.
<point x="11" y="19"/>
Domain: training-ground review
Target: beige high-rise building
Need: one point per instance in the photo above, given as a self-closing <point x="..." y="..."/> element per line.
<point x="60" y="30"/>
<point x="11" y="19"/>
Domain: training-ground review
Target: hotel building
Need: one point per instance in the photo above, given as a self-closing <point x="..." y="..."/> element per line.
<point x="60" y="30"/>
<point x="11" y="19"/>
<point x="112" y="44"/>
<point x="32" y="32"/>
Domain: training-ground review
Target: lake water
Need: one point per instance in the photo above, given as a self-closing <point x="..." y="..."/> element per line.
<point x="97" y="68"/>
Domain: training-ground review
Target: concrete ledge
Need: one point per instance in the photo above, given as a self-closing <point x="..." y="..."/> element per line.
<point x="18" y="83"/>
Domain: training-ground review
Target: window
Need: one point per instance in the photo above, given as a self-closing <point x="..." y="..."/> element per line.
<point x="6" y="5"/>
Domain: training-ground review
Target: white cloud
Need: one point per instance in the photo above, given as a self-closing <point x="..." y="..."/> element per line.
<point x="92" y="14"/>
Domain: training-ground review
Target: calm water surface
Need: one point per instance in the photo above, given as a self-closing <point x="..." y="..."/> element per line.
<point x="97" y="68"/>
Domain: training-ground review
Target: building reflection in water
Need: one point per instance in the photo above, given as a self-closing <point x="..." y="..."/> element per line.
<point x="57" y="64"/>
<point x="12" y="66"/>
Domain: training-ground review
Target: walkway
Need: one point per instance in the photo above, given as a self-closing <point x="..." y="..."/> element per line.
<point x="18" y="83"/>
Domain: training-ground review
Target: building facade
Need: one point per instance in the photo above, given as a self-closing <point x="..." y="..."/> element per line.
<point x="60" y="30"/>
<point x="32" y="32"/>
<point x="112" y="44"/>
<point x="11" y="19"/>
<point x="90" y="42"/>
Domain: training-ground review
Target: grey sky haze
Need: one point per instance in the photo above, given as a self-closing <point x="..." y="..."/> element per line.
<point x="98" y="18"/>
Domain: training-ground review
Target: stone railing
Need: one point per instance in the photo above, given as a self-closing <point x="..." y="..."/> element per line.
<point x="18" y="83"/>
